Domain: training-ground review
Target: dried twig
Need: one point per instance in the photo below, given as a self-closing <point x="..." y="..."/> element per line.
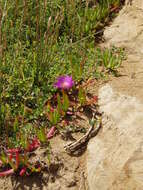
<point x="74" y="146"/>
<point x="2" y="15"/>
<point x="4" y="12"/>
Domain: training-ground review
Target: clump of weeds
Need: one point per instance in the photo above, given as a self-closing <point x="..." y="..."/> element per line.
<point x="44" y="42"/>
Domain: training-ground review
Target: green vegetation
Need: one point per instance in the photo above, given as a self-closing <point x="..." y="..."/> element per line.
<point x="41" y="40"/>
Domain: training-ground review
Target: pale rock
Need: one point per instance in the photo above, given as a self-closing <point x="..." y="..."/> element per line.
<point x="115" y="155"/>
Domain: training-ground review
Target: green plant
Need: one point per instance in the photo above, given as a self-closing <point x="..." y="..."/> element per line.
<point x="40" y="41"/>
<point x="110" y="61"/>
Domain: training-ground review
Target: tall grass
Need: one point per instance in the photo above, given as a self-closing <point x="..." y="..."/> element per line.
<point x="40" y="40"/>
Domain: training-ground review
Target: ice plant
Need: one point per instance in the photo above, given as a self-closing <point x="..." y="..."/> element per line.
<point x="64" y="82"/>
<point x="11" y="153"/>
<point x="33" y="145"/>
<point x="14" y="158"/>
<point x="81" y="96"/>
<point x="1" y="163"/>
<point x="51" y="132"/>
<point x="7" y="172"/>
<point x="14" y="152"/>
<point x="23" y="171"/>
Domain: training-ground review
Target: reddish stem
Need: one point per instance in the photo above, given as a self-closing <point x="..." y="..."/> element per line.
<point x="7" y="172"/>
<point x="22" y="171"/>
<point x="51" y="132"/>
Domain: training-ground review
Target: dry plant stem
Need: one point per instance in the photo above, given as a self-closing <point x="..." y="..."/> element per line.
<point x="0" y="31"/>
<point x="72" y="147"/>
<point x="3" y="13"/>
<point x="37" y="19"/>
<point x="2" y="16"/>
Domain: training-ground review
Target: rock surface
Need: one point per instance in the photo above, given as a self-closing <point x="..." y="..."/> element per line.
<point x="127" y="31"/>
<point x="115" y="155"/>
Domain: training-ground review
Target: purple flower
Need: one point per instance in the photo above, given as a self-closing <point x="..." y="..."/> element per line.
<point x="64" y="82"/>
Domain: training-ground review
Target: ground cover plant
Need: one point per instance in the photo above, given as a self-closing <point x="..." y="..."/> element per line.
<point x="47" y="52"/>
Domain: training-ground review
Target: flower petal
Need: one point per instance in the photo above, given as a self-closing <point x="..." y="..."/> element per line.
<point x="64" y="82"/>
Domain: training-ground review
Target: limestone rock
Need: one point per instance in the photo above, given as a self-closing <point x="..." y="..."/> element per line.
<point x="127" y="28"/>
<point x="115" y="155"/>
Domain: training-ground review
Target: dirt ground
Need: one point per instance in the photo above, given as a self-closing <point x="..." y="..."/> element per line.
<point x="64" y="171"/>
